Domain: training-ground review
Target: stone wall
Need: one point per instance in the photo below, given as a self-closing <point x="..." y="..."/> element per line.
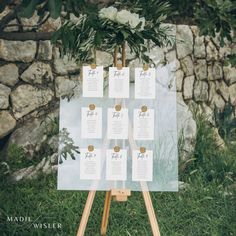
<point x="33" y="76"/>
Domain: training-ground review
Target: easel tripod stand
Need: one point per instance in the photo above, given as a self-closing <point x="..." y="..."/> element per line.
<point x="119" y="195"/>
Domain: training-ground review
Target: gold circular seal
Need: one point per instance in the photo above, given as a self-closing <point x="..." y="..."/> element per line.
<point x="93" y="66"/>
<point x="144" y="108"/>
<point x="90" y="148"/>
<point x="142" y="149"/>
<point x="92" y="107"/>
<point x="116" y="148"/>
<point x="118" y="107"/>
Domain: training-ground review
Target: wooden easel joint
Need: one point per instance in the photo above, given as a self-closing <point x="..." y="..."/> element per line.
<point x="120" y="195"/>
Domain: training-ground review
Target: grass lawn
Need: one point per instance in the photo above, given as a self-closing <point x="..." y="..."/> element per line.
<point x="205" y="207"/>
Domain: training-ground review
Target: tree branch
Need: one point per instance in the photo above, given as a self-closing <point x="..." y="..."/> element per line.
<point x="26" y="36"/>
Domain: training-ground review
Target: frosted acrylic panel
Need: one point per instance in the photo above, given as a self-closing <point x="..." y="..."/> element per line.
<point x="164" y="145"/>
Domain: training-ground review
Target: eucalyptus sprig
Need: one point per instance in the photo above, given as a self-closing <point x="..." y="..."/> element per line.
<point x="110" y="27"/>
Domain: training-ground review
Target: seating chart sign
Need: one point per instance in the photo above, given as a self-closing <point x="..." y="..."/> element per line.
<point x="122" y="137"/>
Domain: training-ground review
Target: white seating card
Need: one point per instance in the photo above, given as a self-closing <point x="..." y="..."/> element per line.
<point x="143" y="124"/>
<point x="142" y="165"/>
<point x="117" y="123"/>
<point x="116" y="164"/>
<point x="118" y="82"/>
<point x="92" y="81"/>
<point x="91" y="123"/>
<point x="90" y="164"/>
<point x="145" y="83"/>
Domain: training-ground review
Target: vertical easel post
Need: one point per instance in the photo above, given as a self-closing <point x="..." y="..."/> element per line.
<point x="106" y="212"/>
<point x="86" y="213"/>
<point x="151" y="213"/>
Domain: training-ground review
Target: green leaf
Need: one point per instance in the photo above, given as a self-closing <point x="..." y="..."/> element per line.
<point x="125" y="34"/>
<point x="54" y="7"/>
<point x="28" y="10"/>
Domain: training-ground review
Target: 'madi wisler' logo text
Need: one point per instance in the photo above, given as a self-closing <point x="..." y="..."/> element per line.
<point x="28" y="222"/>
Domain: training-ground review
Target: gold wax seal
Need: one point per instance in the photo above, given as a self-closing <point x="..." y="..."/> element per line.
<point x="93" y="66"/>
<point x="116" y="148"/>
<point x="145" y="67"/>
<point x="119" y="66"/>
<point x="92" y="107"/>
<point x="118" y="107"/>
<point x="142" y="149"/>
<point x="144" y="108"/>
<point x="90" y="148"/>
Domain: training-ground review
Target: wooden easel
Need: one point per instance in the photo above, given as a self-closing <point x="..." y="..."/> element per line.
<point x="120" y="195"/>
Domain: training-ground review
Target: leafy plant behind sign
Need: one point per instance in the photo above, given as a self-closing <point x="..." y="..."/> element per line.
<point x="110" y="27"/>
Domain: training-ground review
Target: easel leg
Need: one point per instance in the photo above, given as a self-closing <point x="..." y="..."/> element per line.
<point x="106" y="212"/>
<point x="86" y="212"/>
<point x="151" y="213"/>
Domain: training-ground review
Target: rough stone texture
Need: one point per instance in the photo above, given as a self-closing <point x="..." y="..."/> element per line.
<point x="224" y="52"/>
<point x="200" y="69"/>
<point x="45" y="50"/>
<point x="9" y="74"/>
<point x="199" y="43"/>
<point x="217" y="101"/>
<point x="187" y="66"/>
<point x="7" y="123"/>
<point x="212" y="53"/>
<point x="31" y="135"/>
<point x="212" y="89"/>
<point x="50" y="25"/>
<point x="200" y="91"/>
<point x="179" y="75"/>
<point x="186" y="126"/>
<point x="184" y="42"/>
<point x="171" y="57"/>
<point x="4" y="96"/>
<point x="199" y="47"/>
<point x="208" y="113"/>
<point x="230" y="74"/>
<point x="44" y="166"/>
<point x="10" y="28"/>
<point x="17" y="50"/>
<point x="156" y="55"/>
<point x="223" y="89"/>
<point x="64" y="65"/>
<point x="26" y="98"/>
<point x="64" y="86"/>
<point x="30" y="23"/>
<point x="232" y="94"/>
<point x="37" y="73"/>
<point x="188" y="87"/>
<point x="215" y="71"/>
<point x="104" y="59"/>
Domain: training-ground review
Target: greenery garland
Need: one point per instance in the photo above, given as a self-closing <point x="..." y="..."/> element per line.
<point x="110" y="27"/>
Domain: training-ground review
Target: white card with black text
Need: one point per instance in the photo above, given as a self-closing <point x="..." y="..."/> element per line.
<point x="142" y="165"/>
<point x="117" y="123"/>
<point x="118" y="82"/>
<point x="116" y="164"/>
<point x="90" y="164"/>
<point x="91" y="123"/>
<point x="145" y="87"/>
<point x="143" y="124"/>
<point x="92" y="81"/>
